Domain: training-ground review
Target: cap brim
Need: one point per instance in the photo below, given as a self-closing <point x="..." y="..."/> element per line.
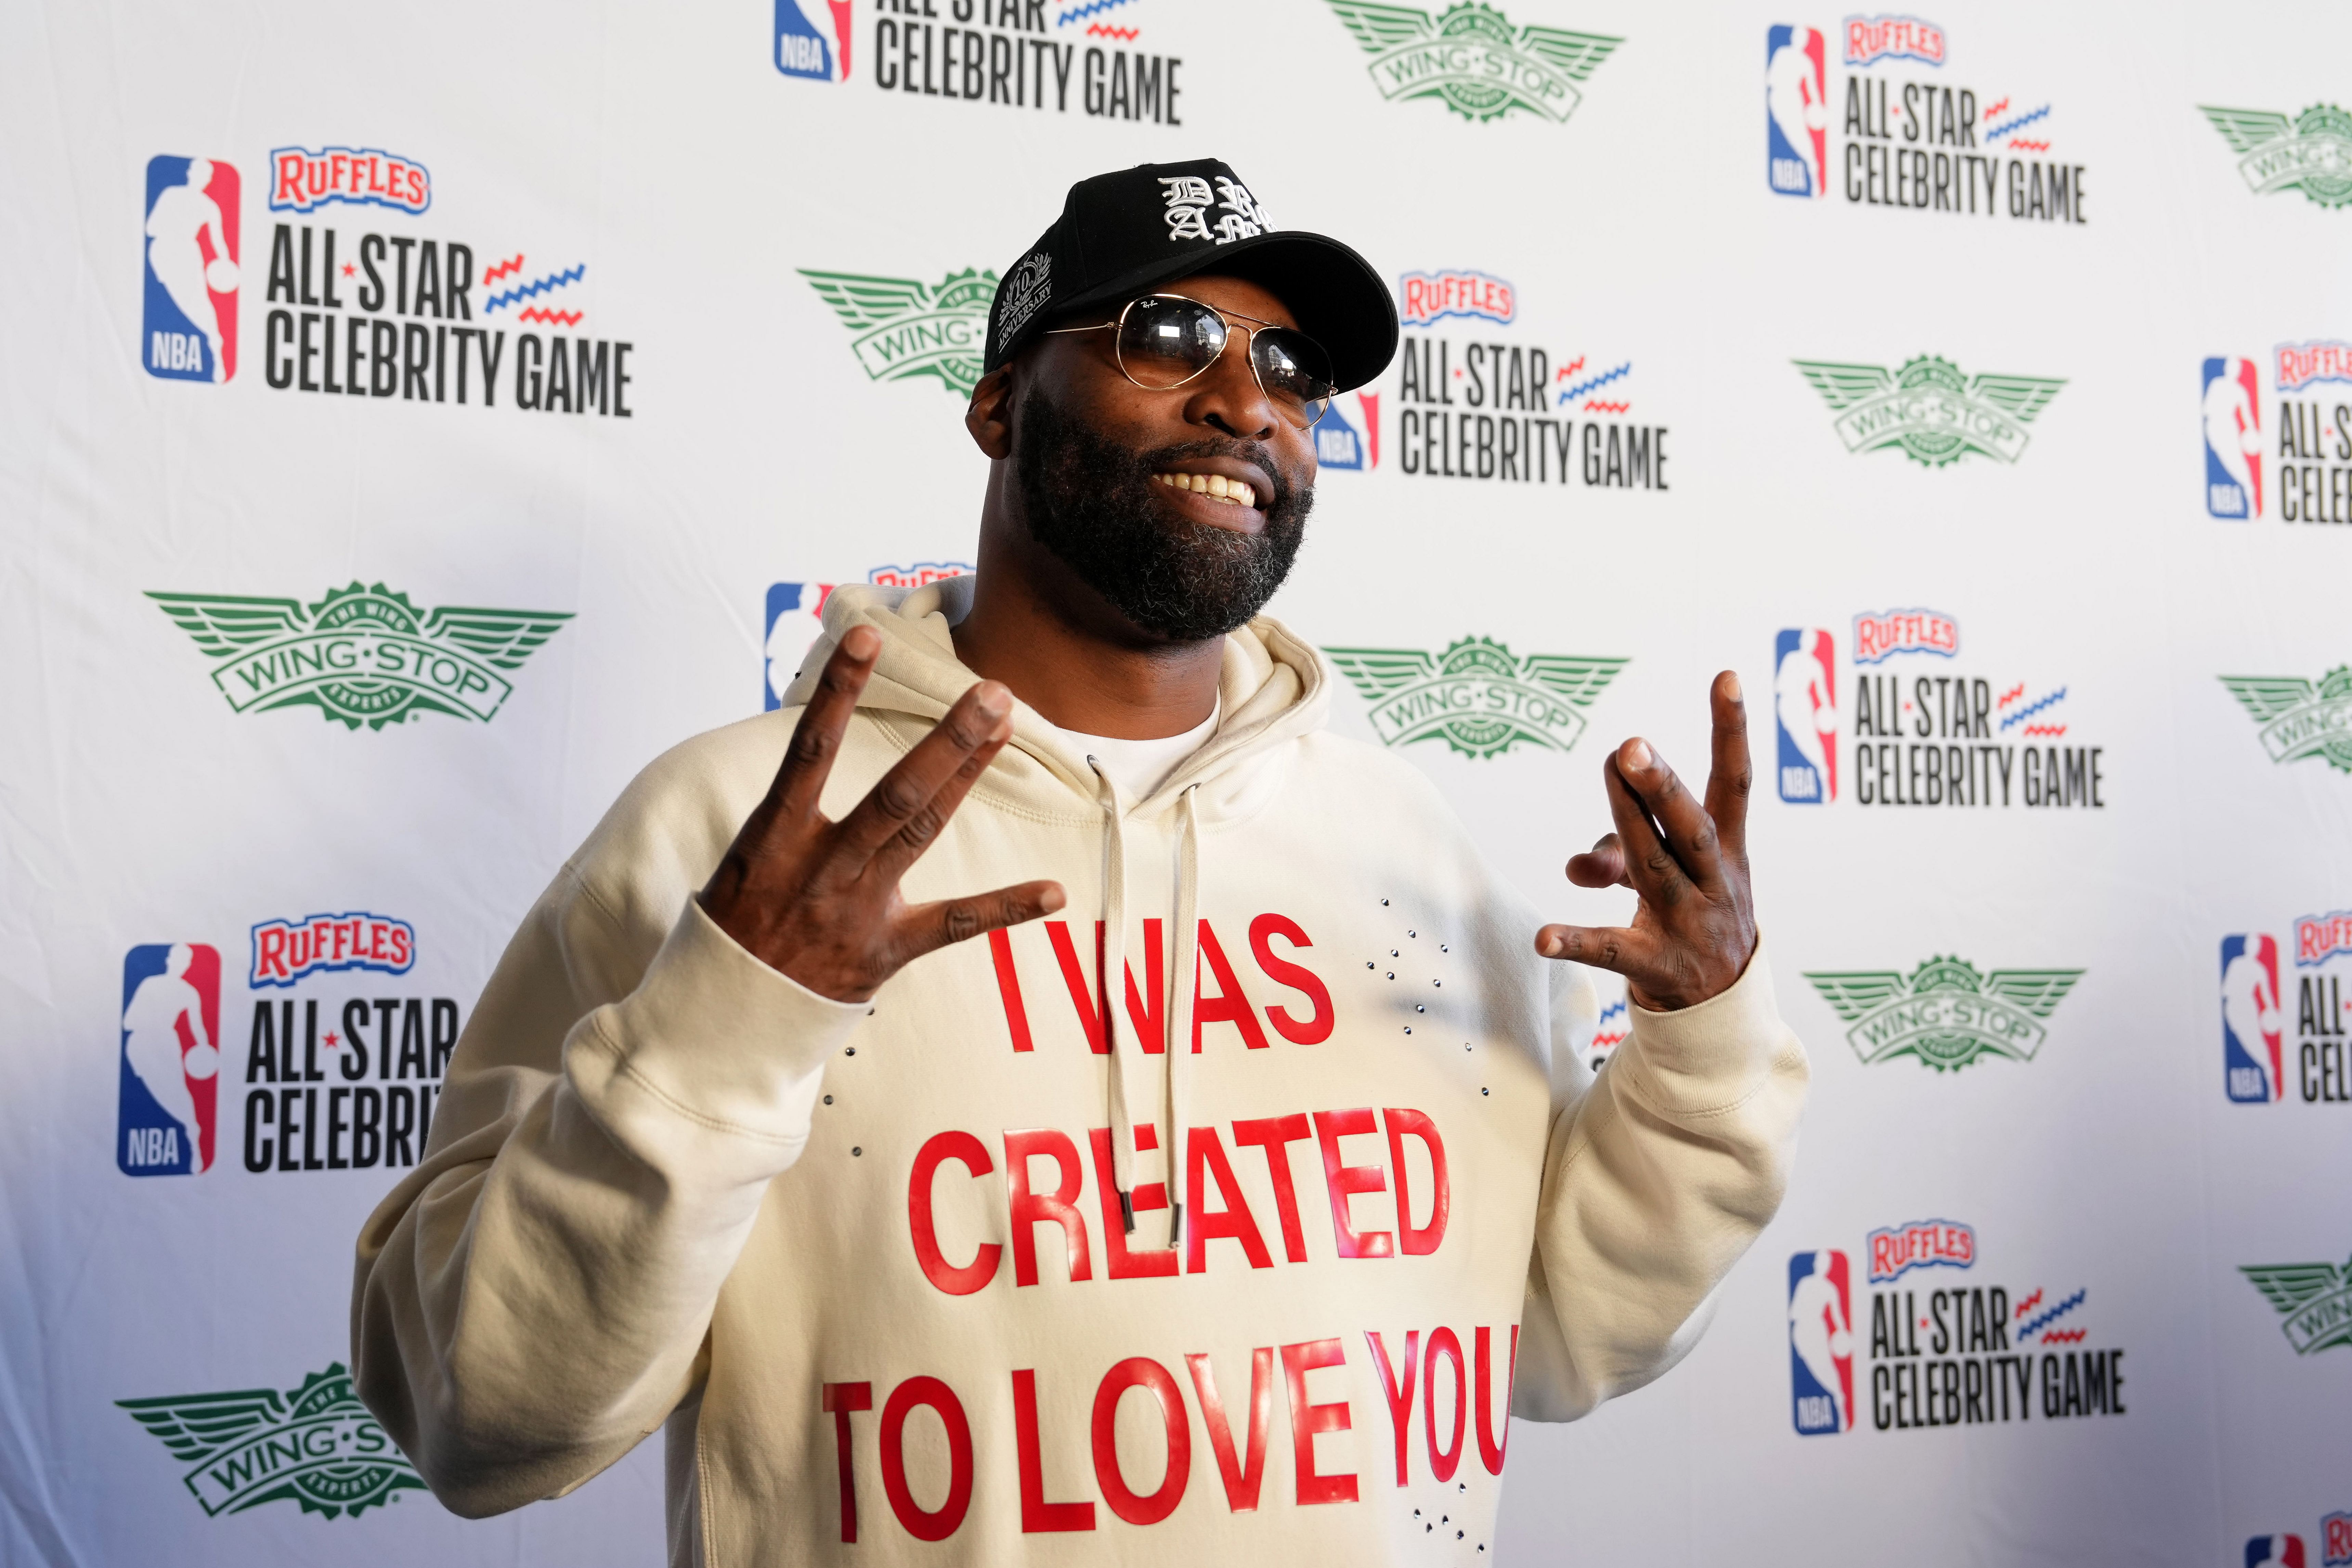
<point x="1333" y="294"/>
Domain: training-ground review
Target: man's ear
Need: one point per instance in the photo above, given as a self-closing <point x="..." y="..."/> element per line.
<point x="989" y="416"/>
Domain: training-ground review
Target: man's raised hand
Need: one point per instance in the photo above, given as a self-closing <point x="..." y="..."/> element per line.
<point x="818" y="900"/>
<point x="1694" y="928"/>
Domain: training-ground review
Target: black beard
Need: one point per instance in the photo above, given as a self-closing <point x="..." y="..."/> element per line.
<point x="1089" y="501"/>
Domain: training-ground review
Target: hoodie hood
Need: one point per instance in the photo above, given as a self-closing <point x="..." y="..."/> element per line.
<point x="1273" y="689"/>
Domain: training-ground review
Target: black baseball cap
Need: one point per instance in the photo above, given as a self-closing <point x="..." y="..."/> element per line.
<point x="1128" y="232"/>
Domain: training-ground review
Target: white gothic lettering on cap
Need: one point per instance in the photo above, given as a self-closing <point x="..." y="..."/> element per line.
<point x="1188" y="197"/>
<point x="1243" y="217"/>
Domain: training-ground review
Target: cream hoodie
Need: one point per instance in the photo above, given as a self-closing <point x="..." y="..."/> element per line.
<point x="868" y="1265"/>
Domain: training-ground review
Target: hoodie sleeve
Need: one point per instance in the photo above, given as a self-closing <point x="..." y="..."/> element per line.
<point x="1659" y="1172"/>
<point x="532" y="1300"/>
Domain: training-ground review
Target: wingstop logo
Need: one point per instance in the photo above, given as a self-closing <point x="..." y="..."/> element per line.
<point x="2301" y="718"/>
<point x="1478" y="697"/>
<point x="904" y="327"/>
<point x="2255" y="1063"/>
<point x="362" y="654"/>
<point x="1928" y="409"/>
<point x="2311" y="153"/>
<point x="1471" y="58"/>
<point x="2314" y="1300"/>
<point x="1946" y="1014"/>
<point x="316" y="1445"/>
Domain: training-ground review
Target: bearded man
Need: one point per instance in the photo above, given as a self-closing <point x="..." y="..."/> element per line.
<point x="1232" y="1195"/>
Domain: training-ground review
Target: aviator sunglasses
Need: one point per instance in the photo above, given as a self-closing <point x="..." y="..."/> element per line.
<point x="1162" y="340"/>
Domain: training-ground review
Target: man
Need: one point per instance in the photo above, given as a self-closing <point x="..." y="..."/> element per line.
<point x="1019" y="1245"/>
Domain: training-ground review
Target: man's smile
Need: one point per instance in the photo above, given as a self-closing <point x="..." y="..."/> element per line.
<point x="1224" y="491"/>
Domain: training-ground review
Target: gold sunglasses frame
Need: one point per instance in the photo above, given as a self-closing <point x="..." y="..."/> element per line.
<point x="1249" y="336"/>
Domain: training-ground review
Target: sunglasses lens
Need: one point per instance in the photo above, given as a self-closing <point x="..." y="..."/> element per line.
<point x="1294" y="372"/>
<point x="1164" y="341"/>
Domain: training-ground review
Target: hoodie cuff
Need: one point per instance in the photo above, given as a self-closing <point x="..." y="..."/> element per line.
<point x="714" y="1036"/>
<point x="1709" y="1057"/>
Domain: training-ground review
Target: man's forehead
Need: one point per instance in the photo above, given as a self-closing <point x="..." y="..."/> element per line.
<point x="1240" y="295"/>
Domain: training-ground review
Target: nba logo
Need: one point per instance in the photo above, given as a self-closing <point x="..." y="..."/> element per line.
<point x="2233" y="439"/>
<point x="1804" y="707"/>
<point x="171" y="1059"/>
<point x="1796" y="111"/>
<point x="813" y="39"/>
<point x="794" y="609"/>
<point x="1337" y="444"/>
<point x="190" y="330"/>
<point x="2249" y="1020"/>
<point x="1820" y="1344"/>
<point x="2283" y="1551"/>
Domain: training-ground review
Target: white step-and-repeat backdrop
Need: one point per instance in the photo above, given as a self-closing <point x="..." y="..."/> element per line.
<point x="413" y="419"/>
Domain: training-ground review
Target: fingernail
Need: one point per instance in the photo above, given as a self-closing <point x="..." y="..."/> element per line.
<point x="993" y="701"/>
<point x="1637" y="754"/>
<point x="1732" y="691"/>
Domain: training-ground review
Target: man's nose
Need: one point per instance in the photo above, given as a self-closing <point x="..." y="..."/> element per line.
<point x="1227" y="396"/>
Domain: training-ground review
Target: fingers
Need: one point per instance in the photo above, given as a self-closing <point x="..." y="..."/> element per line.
<point x="1604" y="866"/>
<point x="981" y="715"/>
<point x="1731" y="776"/>
<point x="1691" y="846"/>
<point x="929" y="926"/>
<point x="1656" y="874"/>
<point x="1633" y="954"/>
<point x="903" y="847"/>
<point x="816" y="738"/>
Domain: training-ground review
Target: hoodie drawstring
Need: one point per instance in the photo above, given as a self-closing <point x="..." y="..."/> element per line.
<point x="1112" y="984"/>
<point x="1176" y="1045"/>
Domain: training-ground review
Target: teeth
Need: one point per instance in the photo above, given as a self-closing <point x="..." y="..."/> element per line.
<point x="1216" y="486"/>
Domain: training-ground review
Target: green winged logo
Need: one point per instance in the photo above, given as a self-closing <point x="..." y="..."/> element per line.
<point x="1473" y="59"/>
<point x="316" y="1445"/>
<point x="1476" y="695"/>
<point x="2301" y="718"/>
<point x="2316" y="1299"/>
<point x="905" y="328"/>
<point x="1929" y="409"/>
<point x="2311" y="153"/>
<point x="1945" y="1014"/>
<point x="362" y="654"/>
